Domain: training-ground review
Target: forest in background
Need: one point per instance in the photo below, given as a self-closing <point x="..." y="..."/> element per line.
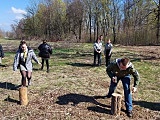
<point x="126" y="22"/>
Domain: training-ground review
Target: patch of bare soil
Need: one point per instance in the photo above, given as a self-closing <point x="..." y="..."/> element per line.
<point x="151" y="53"/>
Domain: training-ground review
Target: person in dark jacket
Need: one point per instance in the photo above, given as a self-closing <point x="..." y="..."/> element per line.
<point x="108" y="52"/>
<point x="23" y="61"/>
<point x="121" y="69"/>
<point x="1" y="54"/>
<point x="45" y="51"/>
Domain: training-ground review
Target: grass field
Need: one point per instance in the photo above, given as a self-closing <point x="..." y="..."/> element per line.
<point x="67" y="91"/>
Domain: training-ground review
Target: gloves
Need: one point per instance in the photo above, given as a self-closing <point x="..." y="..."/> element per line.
<point x="114" y="79"/>
<point x="134" y="89"/>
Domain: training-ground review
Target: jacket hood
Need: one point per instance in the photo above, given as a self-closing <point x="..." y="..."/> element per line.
<point x="118" y="61"/>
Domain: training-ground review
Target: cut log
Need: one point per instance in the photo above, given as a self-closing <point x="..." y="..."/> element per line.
<point x="23" y="95"/>
<point x="116" y="104"/>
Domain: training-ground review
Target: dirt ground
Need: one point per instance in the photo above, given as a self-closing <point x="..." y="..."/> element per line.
<point x="151" y="53"/>
<point x="71" y="92"/>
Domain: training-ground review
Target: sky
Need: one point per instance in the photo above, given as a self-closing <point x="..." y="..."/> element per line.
<point x="11" y="11"/>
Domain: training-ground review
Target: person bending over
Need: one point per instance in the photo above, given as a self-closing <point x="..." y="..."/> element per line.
<point x="121" y="69"/>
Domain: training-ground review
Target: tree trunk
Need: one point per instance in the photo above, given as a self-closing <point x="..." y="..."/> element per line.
<point x="80" y="30"/>
<point x="90" y="24"/>
<point x="158" y="23"/>
<point x="116" y="104"/>
<point x="23" y="96"/>
<point x="114" y="35"/>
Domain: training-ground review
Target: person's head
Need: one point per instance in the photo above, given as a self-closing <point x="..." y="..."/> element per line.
<point x="23" y="45"/>
<point x="98" y="40"/>
<point x="44" y="41"/>
<point x="109" y="40"/>
<point x="22" y="41"/>
<point x="124" y="63"/>
<point x="101" y="37"/>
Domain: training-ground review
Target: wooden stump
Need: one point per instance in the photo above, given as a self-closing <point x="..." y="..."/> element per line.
<point x="23" y="95"/>
<point x="116" y="104"/>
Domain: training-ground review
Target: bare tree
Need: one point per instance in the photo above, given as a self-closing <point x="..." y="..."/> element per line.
<point x="75" y="16"/>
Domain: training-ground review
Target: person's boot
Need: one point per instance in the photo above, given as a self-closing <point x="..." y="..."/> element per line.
<point x="41" y="68"/>
<point x="107" y="96"/>
<point x="129" y="113"/>
<point x="29" y="82"/>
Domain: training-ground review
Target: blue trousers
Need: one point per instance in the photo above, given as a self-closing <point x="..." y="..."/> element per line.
<point x="127" y="94"/>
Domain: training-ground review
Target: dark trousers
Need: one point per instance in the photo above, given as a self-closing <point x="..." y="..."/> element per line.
<point x="25" y="74"/>
<point x="47" y="63"/>
<point x="108" y="57"/>
<point x="96" y="54"/>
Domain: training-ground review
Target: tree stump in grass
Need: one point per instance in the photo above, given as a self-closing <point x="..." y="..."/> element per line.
<point x="116" y="104"/>
<point x="23" y="95"/>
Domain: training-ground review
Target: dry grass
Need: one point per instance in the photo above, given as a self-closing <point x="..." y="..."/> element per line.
<point x="69" y="90"/>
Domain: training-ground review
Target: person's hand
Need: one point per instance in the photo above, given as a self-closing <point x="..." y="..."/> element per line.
<point x="15" y="72"/>
<point x="134" y="89"/>
<point x="114" y="79"/>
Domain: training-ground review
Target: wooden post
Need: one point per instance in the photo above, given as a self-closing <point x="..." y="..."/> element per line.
<point x="116" y="104"/>
<point x="23" y="95"/>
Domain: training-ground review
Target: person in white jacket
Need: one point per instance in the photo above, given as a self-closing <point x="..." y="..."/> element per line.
<point x="97" y="50"/>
